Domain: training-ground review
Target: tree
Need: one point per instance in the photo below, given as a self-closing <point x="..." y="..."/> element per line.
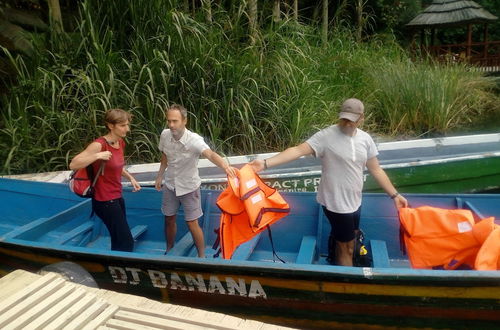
<point x="296" y="10"/>
<point x="252" y="20"/>
<point x="276" y="11"/>
<point x="207" y="8"/>
<point x="55" y="15"/>
<point x="324" y="22"/>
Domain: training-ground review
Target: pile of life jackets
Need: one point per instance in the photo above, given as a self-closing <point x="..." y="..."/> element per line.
<point x="248" y="207"/>
<point x="438" y="238"/>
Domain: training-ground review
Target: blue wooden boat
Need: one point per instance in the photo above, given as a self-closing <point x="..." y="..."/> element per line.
<point x="44" y="224"/>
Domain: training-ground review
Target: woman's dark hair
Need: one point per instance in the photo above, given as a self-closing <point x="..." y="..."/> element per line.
<point x="115" y="116"/>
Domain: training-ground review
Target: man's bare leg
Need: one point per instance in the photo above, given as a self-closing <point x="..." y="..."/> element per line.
<point x="198" y="239"/>
<point x="170" y="231"/>
<point x="344" y="253"/>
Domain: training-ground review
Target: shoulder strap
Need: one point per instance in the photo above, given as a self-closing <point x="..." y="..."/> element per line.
<point x="100" y="171"/>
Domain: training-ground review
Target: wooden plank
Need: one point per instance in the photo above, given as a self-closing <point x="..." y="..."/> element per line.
<point x="10" y="300"/>
<point x="27" y="227"/>
<point x="244" y="251"/>
<point x="474" y="210"/>
<point x="102" y="318"/>
<point x="72" y="312"/>
<point x="206" y="214"/>
<point x="124" y="325"/>
<point x="183" y="246"/>
<point x="307" y="250"/>
<point x="379" y="254"/>
<point x="37" y="311"/>
<point x="56" y="309"/>
<point x="85" y="239"/>
<point x="138" y="231"/>
<point x="183" y="314"/>
<point x="156" y="322"/>
<point x="84" y="227"/>
<point x="320" y="229"/>
<point x="32" y="298"/>
<point x="87" y="315"/>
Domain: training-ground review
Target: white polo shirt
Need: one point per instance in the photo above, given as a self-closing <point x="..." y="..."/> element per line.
<point x="182" y="156"/>
<point x="343" y="160"/>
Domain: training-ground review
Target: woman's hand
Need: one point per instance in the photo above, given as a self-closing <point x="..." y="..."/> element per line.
<point x="136" y="186"/>
<point x="104" y="155"/>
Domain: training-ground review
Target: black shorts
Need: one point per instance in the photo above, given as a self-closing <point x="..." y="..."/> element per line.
<point x="343" y="224"/>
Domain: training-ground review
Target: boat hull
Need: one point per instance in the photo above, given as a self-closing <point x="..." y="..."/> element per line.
<point x="45" y="223"/>
<point x="292" y="296"/>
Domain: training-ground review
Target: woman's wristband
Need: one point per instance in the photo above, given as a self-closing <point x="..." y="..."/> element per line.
<point x="396" y="194"/>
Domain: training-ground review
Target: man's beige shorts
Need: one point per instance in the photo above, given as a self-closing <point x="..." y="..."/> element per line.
<point x="191" y="203"/>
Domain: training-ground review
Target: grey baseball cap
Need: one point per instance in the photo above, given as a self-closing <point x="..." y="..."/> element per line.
<point x="352" y="109"/>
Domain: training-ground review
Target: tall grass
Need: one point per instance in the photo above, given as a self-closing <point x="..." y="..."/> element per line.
<point x="144" y="55"/>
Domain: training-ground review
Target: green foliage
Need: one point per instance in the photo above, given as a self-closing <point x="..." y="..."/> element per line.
<point x="144" y="55"/>
<point x="394" y="14"/>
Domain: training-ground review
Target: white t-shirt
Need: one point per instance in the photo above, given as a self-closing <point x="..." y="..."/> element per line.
<point x="182" y="156"/>
<point x="343" y="160"/>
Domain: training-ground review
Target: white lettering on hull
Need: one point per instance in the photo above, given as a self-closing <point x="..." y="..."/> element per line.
<point x="305" y="184"/>
<point x="189" y="282"/>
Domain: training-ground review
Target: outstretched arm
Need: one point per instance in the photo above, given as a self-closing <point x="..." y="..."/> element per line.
<point x="283" y="157"/>
<point x="385" y="183"/>
<point x="219" y="161"/>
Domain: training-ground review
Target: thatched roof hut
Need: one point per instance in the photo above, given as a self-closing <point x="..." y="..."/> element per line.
<point x="451" y="13"/>
<point x="444" y="13"/>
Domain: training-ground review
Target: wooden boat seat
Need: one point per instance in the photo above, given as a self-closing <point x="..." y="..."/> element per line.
<point x="83" y="228"/>
<point x="26" y="228"/>
<point x="380" y="256"/>
<point x="307" y="250"/>
<point x="138" y="231"/>
<point x="183" y="246"/>
<point x="244" y="251"/>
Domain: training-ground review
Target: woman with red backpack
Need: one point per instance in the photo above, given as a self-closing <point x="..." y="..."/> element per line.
<point x="107" y="200"/>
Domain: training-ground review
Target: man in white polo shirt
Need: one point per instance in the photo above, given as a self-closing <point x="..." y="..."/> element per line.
<point x="180" y="150"/>
<point x="345" y="151"/>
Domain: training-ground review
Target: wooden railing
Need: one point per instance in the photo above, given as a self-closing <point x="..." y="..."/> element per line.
<point x="481" y="54"/>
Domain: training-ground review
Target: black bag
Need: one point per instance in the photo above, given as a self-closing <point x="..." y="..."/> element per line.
<point x="361" y="256"/>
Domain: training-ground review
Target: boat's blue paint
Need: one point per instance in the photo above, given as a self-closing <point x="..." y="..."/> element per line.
<point x="49" y="216"/>
<point x="43" y="223"/>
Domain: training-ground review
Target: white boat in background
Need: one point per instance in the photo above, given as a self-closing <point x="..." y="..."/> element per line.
<point x="458" y="164"/>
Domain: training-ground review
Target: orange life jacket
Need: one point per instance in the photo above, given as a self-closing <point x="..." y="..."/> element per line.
<point x="436" y="237"/>
<point x="248" y="206"/>
<point x="488" y="257"/>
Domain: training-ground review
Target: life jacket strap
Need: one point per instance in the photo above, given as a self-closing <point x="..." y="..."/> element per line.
<point x="272" y="246"/>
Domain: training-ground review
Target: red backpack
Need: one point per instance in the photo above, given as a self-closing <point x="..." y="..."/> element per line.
<point x="83" y="180"/>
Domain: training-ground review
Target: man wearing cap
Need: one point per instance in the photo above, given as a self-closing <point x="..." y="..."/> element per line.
<point x="345" y="151"/>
